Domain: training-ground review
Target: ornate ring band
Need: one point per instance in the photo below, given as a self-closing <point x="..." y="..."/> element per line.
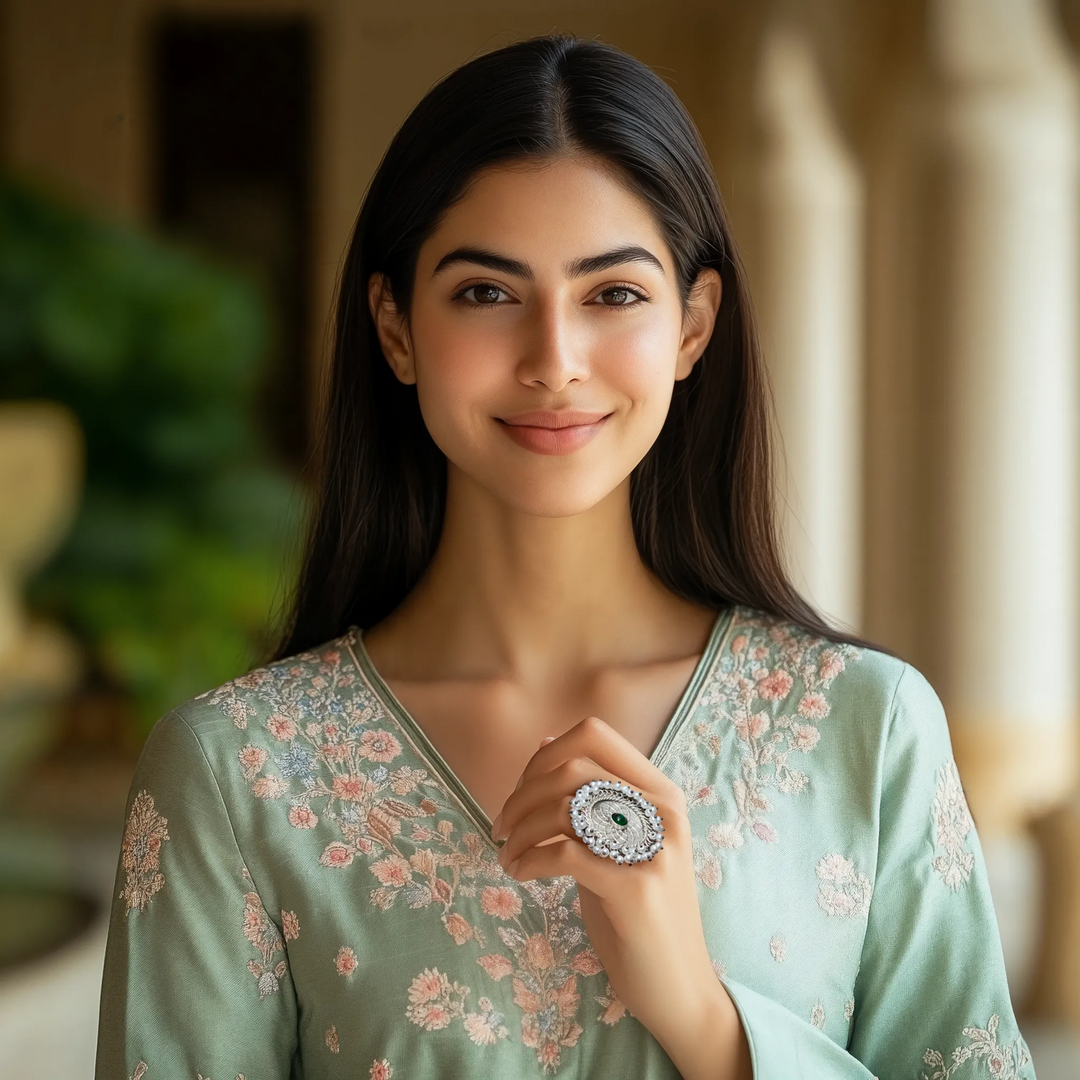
<point x="616" y="822"/>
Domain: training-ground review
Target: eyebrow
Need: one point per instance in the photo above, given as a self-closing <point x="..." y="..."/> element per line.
<point x="591" y="264"/>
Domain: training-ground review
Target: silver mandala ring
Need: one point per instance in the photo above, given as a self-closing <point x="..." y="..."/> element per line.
<point x="616" y="822"/>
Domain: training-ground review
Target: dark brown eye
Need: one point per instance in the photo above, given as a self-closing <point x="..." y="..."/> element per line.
<point x="485" y="294"/>
<point x="618" y="297"/>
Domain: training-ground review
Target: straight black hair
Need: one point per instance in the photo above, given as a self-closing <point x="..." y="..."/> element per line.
<point x="701" y="499"/>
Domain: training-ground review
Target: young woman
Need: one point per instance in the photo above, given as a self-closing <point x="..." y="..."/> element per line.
<point x="544" y="559"/>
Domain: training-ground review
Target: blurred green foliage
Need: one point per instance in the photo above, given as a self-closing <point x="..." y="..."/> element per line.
<point x="184" y="538"/>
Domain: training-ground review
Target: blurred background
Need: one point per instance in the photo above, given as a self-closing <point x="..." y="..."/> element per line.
<point x="178" y="180"/>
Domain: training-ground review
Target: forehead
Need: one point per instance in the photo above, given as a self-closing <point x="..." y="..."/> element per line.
<point x="548" y="212"/>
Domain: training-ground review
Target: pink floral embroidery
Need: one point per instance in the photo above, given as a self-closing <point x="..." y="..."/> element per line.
<point x="613" y="1009"/>
<point x="252" y="759"/>
<point x="952" y="823"/>
<point x="263" y="934"/>
<point x="435" y="1002"/>
<point x="842" y="890"/>
<point x="380" y="1070"/>
<point x="778" y="948"/>
<point x="282" y="728"/>
<point x="333" y="1044"/>
<point x="1002" y="1062"/>
<point x="817" y="1016"/>
<point x="302" y="817"/>
<point x="501" y="902"/>
<point x="768" y="688"/>
<point x="486" y="1026"/>
<point x="324" y="744"/>
<point x="378" y="746"/>
<point x="545" y="967"/>
<point x="290" y="925"/>
<point x="140" y="853"/>
<point x="496" y="965"/>
<point x="140" y="1071"/>
<point x="269" y="787"/>
<point x="345" y="961"/>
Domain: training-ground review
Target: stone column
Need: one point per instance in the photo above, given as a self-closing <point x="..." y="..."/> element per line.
<point x="806" y="265"/>
<point x="1003" y="127"/>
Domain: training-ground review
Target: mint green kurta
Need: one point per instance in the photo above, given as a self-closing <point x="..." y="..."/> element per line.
<point x="306" y="890"/>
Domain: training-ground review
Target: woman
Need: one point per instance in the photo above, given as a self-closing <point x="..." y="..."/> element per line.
<point x="544" y="557"/>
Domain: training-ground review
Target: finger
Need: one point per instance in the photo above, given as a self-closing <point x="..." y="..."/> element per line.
<point x="594" y="738"/>
<point x="546" y="788"/>
<point x="551" y="819"/>
<point x="572" y="858"/>
<point x="521" y="778"/>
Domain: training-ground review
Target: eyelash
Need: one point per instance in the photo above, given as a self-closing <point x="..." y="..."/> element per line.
<point x="642" y="298"/>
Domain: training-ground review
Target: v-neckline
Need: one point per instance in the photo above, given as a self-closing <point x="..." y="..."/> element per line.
<point x="427" y="751"/>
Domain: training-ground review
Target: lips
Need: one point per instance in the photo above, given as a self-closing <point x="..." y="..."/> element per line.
<point x="553" y="431"/>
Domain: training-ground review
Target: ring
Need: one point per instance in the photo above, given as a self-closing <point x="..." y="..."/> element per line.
<point x="616" y="822"/>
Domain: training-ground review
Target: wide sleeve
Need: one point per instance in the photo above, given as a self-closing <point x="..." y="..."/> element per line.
<point x="931" y="1000"/>
<point x="196" y="979"/>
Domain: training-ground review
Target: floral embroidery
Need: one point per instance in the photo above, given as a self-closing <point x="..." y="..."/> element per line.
<point x="849" y="1009"/>
<point x="778" y="948"/>
<point x="345" y="961"/>
<point x="140" y="1071"/>
<point x="290" y="925"/>
<point x="263" y="934"/>
<point x="1002" y="1062"/>
<point x="614" y="1009"/>
<point x="435" y="1001"/>
<point x="380" y="1070"/>
<point x="952" y="821"/>
<point x="334" y="764"/>
<point x="486" y="1027"/>
<point x="769" y="689"/>
<point x="332" y="1042"/>
<point x="323" y="744"/>
<point x="843" y="891"/>
<point x="817" y="1016"/>
<point x="545" y="966"/>
<point x="140" y="853"/>
<point x="328" y="747"/>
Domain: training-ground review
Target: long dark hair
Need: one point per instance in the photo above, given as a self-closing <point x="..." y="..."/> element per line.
<point x="701" y="499"/>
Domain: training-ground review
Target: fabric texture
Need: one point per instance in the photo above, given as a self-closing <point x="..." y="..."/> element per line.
<point x="306" y="890"/>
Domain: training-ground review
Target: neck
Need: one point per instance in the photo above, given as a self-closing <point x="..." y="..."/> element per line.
<point x="514" y="594"/>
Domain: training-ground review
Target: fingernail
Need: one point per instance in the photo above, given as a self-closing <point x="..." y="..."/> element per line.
<point x="520" y="779"/>
<point x="495" y="825"/>
<point x="512" y="868"/>
<point x="547" y="739"/>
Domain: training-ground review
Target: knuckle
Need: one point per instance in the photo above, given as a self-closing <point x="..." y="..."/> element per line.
<point x="676" y="797"/>
<point x="592" y="724"/>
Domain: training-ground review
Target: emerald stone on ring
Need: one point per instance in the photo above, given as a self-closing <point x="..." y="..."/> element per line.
<point x="616" y="822"/>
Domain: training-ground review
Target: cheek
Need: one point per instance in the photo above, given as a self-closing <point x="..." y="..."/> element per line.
<point x="636" y="359"/>
<point x="462" y="371"/>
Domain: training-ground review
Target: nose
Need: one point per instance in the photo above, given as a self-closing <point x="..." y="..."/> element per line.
<point x="553" y="354"/>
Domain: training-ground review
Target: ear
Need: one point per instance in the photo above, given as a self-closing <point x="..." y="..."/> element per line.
<point x="699" y="320"/>
<point x="392" y="328"/>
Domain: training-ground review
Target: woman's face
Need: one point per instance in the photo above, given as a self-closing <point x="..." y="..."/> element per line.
<point x="546" y="334"/>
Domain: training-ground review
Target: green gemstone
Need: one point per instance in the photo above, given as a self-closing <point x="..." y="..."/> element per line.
<point x="619" y="819"/>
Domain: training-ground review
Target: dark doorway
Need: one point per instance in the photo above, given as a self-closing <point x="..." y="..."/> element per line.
<point x="232" y="165"/>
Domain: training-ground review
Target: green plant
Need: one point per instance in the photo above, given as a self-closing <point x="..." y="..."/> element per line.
<point x="182" y="542"/>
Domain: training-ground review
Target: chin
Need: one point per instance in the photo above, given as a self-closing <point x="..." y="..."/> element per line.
<point x="576" y="491"/>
